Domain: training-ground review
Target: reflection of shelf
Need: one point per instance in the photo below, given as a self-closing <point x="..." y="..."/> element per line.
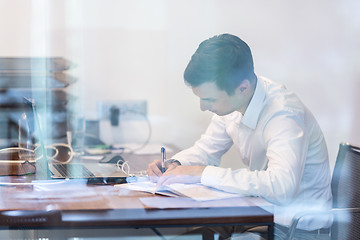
<point x="42" y="79"/>
<point x="35" y="80"/>
<point x="57" y="124"/>
<point x="56" y="99"/>
<point x="35" y="64"/>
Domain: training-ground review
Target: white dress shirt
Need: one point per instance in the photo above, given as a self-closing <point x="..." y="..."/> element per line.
<point x="282" y="147"/>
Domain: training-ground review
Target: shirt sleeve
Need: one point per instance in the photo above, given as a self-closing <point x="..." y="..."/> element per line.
<point x="286" y="143"/>
<point x="209" y="148"/>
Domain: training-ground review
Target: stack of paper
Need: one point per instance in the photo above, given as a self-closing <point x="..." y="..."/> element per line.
<point x="197" y="192"/>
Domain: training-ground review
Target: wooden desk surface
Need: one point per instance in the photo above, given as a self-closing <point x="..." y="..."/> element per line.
<point x="77" y="204"/>
<point x="111" y="206"/>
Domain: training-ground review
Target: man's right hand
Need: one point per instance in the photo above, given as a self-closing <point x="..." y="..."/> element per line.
<point x="154" y="169"/>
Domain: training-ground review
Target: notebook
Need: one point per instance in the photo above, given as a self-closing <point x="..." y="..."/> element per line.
<point x="95" y="172"/>
<point x="196" y="192"/>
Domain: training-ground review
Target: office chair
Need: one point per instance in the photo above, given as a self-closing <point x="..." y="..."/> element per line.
<point x="345" y="187"/>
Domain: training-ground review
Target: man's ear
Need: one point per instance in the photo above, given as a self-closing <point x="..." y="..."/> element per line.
<point x="243" y="87"/>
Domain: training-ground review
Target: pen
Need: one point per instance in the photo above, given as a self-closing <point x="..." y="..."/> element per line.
<point x="163" y="158"/>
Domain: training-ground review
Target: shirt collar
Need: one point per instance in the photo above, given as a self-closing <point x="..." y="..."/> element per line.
<point x="252" y="112"/>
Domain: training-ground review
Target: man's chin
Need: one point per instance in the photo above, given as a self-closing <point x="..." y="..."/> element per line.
<point x="222" y="113"/>
<point x="219" y="114"/>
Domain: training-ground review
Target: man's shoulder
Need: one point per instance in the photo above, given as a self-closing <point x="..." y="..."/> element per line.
<point x="280" y="101"/>
<point x="272" y="88"/>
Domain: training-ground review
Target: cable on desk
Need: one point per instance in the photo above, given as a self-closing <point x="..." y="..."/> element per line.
<point x="55" y="147"/>
<point x="147" y="140"/>
<point x="125" y="167"/>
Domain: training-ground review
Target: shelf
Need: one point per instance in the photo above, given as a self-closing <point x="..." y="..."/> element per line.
<point x="35" y="80"/>
<point x="35" y="64"/>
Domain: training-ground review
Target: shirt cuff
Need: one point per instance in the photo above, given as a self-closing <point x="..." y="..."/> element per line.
<point x="211" y="176"/>
<point x="169" y="161"/>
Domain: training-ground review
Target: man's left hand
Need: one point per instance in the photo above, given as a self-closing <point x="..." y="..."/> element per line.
<point x="182" y="174"/>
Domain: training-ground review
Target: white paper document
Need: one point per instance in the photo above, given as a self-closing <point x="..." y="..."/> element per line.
<point x="64" y="190"/>
<point x="197" y="192"/>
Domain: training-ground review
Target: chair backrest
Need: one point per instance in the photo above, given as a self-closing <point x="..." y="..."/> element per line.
<point x="345" y="187"/>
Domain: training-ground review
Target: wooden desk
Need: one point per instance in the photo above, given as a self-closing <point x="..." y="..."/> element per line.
<point x="75" y="205"/>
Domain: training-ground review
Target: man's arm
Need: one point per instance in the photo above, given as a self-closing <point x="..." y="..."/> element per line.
<point x="209" y="149"/>
<point x="286" y="142"/>
<point x="206" y="151"/>
<point x="182" y="174"/>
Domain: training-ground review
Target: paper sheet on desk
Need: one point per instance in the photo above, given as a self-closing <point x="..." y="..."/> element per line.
<point x="197" y="192"/>
<point x="66" y="190"/>
<point x="144" y="186"/>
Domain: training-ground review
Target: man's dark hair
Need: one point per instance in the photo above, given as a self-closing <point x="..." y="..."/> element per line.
<point x="224" y="59"/>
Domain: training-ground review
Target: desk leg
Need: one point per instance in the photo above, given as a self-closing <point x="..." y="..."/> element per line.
<point x="207" y="236"/>
<point x="157" y="233"/>
<point x="271" y="232"/>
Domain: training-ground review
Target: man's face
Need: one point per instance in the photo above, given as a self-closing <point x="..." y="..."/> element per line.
<point x="218" y="101"/>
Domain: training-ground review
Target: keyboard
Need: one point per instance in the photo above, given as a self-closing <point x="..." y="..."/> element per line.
<point x="73" y="170"/>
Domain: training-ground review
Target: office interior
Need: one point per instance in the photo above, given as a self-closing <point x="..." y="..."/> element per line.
<point x="134" y="52"/>
<point x="138" y="50"/>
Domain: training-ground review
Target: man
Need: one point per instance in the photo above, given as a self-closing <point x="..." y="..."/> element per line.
<point x="278" y="139"/>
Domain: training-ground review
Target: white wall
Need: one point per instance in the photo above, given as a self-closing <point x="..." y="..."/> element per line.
<point x="138" y="49"/>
